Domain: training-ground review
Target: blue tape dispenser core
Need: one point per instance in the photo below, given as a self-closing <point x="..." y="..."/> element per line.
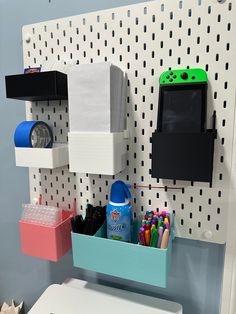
<point x="34" y="134"/>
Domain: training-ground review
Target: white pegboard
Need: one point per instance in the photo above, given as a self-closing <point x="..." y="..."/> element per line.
<point x="144" y="40"/>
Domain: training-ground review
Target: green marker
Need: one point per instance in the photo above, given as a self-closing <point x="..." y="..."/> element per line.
<point x="159" y="224"/>
<point x="154" y="238"/>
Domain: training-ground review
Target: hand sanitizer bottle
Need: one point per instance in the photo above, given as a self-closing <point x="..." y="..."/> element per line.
<point x="119" y="213"/>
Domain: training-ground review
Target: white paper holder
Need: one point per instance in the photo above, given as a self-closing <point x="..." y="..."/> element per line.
<point x="97" y="153"/>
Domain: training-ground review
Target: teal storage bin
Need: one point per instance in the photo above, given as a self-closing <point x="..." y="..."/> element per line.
<point x="120" y="259"/>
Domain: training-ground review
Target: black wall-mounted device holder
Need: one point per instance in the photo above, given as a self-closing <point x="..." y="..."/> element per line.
<point x="50" y="85"/>
<point x="182" y="148"/>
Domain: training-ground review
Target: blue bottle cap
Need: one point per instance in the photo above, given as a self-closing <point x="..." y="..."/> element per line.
<point x="119" y="192"/>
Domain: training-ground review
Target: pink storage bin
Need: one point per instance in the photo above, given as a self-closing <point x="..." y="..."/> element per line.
<point x="46" y="242"/>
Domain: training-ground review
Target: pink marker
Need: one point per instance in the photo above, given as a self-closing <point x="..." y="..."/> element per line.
<point x="167" y="225"/>
<point x="141" y="236"/>
<point x="163" y="213"/>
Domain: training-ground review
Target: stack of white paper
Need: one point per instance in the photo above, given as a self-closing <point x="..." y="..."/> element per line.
<point x="96" y="98"/>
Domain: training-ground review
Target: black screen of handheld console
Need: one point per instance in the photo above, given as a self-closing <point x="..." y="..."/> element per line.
<point x="182" y="108"/>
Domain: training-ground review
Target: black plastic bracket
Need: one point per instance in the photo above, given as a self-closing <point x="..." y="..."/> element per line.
<point x="51" y="85"/>
<point x="183" y="156"/>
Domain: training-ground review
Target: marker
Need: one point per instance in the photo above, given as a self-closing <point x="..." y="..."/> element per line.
<point x="154" y="238"/>
<point x="147" y="237"/>
<point x="163" y="213"/>
<point x="154" y="222"/>
<point x="141" y="236"/>
<point x="165" y="239"/>
<point x="160" y="234"/>
<point x="167" y="225"/>
<point x="152" y="228"/>
<point x="148" y="225"/>
<point x="170" y="215"/>
<point x="159" y="223"/>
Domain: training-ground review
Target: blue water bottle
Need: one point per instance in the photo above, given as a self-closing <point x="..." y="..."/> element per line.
<point x="119" y="213"/>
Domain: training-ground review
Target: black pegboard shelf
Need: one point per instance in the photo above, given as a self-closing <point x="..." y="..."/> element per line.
<point x="50" y="85"/>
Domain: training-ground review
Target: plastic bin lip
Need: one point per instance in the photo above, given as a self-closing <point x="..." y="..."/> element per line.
<point x="74" y="234"/>
<point x="97" y="235"/>
<point x="64" y="219"/>
<point x="101" y="238"/>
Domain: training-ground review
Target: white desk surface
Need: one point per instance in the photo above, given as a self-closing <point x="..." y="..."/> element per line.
<point x="79" y="297"/>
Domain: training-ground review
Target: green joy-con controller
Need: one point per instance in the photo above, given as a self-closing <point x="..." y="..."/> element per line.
<point x="183" y="76"/>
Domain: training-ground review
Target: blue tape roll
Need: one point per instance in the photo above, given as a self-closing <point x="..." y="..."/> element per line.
<point x="24" y="136"/>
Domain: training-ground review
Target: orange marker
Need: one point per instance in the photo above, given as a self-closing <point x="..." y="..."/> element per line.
<point x="147" y="237"/>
